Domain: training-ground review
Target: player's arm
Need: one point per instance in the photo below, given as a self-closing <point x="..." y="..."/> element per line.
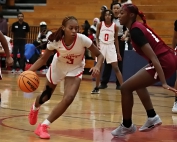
<point x="174" y="41"/>
<point x="4" y="45"/>
<point x="117" y="42"/>
<point x="41" y="61"/>
<point x="140" y="40"/>
<point x="96" y="70"/>
<point x="98" y="54"/>
<point x="98" y="34"/>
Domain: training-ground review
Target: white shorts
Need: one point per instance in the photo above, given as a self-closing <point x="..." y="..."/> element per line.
<point x="59" y="70"/>
<point x="109" y="52"/>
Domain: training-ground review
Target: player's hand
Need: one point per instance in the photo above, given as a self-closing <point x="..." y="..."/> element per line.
<point x="98" y="46"/>
<point x="95" y="71"/>
<point x="9" y="61"/>
<point x="166" y="86"/>
<point x="123" y="38"/>
<point x="119" y="57"/>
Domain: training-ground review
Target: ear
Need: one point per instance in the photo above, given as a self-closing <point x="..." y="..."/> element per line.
<point x="63" y="28"/>
<point x="132" y="15"/>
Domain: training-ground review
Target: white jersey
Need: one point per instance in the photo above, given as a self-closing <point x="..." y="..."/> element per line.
<point x="74" y="55"/>
<point x="107" y="33"/>
<point x="8" y="39"/>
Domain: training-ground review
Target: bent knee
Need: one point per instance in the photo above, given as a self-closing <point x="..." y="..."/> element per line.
<point x="125" y="89"/>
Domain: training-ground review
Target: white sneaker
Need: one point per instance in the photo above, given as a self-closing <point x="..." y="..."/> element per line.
<point x="174" y="109"/>
<point x="122" y="130"/>
<point x="13" y="71"/>
<point x="20" y="71"/>
<point x="151" y="123"/>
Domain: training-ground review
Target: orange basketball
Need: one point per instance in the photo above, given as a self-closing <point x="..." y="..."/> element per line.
<point x="28" y="81"/>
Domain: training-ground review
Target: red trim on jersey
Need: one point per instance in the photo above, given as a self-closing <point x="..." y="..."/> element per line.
<point x="108" y="25"/>
<point x="115" y="27"/>
<point x="72" y="43"/>
<point x="79" y="74"/>
<point x="51" y="75"/>
<point x="83" y="56"/>
<point x="58" y="54"/>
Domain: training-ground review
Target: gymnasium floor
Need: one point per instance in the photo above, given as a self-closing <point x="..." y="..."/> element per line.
<point x="90" y="118"/>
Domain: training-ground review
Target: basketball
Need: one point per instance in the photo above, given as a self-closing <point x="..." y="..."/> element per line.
<point x="28" y="81"/>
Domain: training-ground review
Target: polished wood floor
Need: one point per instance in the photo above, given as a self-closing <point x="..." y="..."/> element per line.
<point x="90" y="118"/>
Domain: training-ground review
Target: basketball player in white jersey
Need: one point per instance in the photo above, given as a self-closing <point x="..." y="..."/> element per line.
<point x="68" y="63"/>
<point x="107" y="41"/>
<point x="4" y="45"/>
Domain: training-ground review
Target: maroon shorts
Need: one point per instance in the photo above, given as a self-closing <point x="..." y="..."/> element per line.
<point x="168" y="62"/>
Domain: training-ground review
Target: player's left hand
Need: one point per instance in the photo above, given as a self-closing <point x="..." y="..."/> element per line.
<point x="123" y="37"/>
<point x="95" y="71"/>
<point x="166" y="86"/>
<point x="9" y="61"/>
<point x="119" y="57"/>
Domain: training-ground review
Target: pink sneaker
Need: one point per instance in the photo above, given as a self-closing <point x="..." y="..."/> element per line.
<point x="42" y="131"/>
<point x="32" y="117"/>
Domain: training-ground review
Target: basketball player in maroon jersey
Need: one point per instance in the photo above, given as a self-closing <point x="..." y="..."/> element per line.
<point x="9" y="60"/>
<point x="162" y="64"/>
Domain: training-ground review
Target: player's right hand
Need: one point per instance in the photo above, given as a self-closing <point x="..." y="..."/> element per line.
<point x="9" y="61"/>
<point x="165" y="86"/>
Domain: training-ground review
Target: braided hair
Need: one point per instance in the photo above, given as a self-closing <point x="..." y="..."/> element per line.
<point x="57" y="35"/>
<point x="134" y="9"/>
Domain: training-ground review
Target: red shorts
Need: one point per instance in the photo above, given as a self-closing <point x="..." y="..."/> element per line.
<point x="168" y="62"/>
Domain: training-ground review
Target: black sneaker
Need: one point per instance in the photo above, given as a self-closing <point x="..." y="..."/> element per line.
<point x="95" y="91"/>
<point x="117" y="87"/>
<point x="102" y="86"/>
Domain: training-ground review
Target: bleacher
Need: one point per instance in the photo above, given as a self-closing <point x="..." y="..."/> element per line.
<point x="160" y="14"/>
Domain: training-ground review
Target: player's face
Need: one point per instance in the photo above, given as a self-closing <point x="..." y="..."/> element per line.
<point x="123" y="16"/>
<point x="71" y="28"/>
<point x="108" y="16"/>
<point x="116" y="9"/>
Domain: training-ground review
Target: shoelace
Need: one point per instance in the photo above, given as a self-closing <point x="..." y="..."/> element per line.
<point x="31" y="113"/>
<point x="44" y="128"/>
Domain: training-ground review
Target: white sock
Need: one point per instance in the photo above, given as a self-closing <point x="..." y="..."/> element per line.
<point x="46" y="122"/>
<point x="35" y="108"/>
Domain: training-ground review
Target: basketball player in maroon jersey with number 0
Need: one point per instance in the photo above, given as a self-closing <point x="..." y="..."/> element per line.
<point x="162" y="64"/>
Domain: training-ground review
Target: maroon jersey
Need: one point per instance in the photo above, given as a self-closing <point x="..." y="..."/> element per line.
<point x="157" y="45"/>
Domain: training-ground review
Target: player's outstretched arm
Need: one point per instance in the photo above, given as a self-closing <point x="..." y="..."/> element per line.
<point x="41" y="61"/>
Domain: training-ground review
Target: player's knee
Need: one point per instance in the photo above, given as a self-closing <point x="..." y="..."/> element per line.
<point x="124" y="89"/>
<point x="116" y="69"/>
<point x="68" y="99"/>
<point x="46" y="95"/>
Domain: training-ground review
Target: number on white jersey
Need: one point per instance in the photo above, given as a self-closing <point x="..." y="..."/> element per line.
<point x="106" y="37"/>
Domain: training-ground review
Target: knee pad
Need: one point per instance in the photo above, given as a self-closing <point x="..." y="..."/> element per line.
<point x="47" y="93"/>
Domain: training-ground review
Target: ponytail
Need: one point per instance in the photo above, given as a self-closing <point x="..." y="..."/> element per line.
<point x="142" y="16"/>
<point x="57" y="35"/>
